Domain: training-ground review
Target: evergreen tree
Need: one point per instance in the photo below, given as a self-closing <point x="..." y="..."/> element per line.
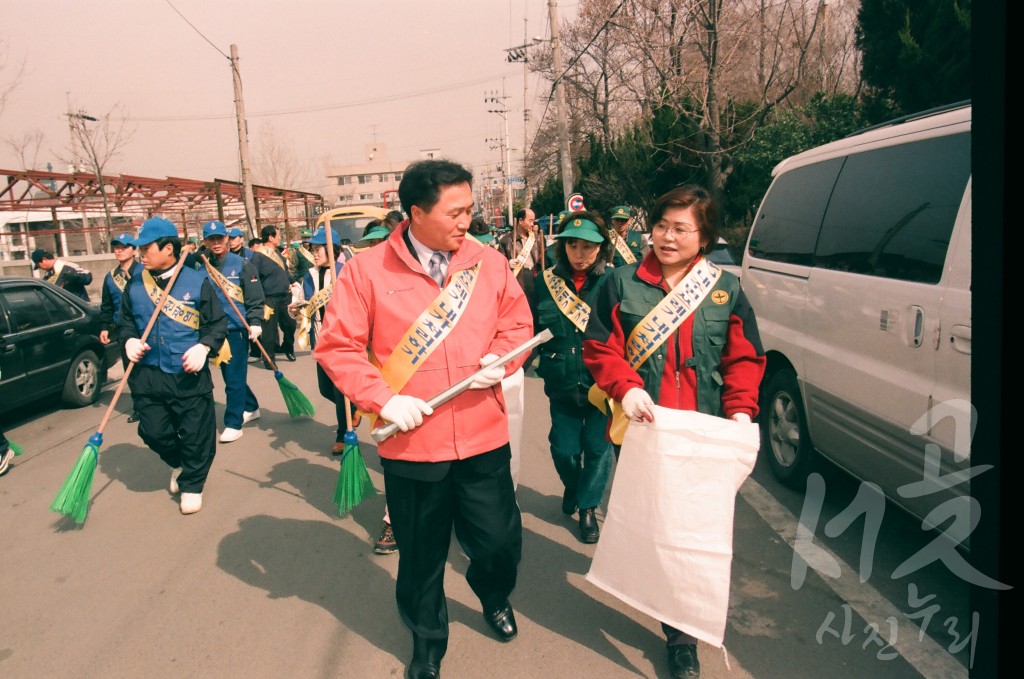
<point x="916" y="53"/>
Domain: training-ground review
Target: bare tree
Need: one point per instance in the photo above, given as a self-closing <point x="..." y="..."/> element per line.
<point x="275" y="164"/>
<point x="95" y="142"/>
<point x="700" y="58"/>
<point x="10" y="75"/>
<point x="26" y="148"/>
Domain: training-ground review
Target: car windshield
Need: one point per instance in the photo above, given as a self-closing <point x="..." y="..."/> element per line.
<point x="350" y="228"/>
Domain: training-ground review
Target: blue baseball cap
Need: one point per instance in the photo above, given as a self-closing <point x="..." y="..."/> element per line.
<point x="123" y="239"/>
<point x="214" y="228"/>
<point x="235" y="232"/>
<point x="155" y="228"/>
<point x="319" y="237"/>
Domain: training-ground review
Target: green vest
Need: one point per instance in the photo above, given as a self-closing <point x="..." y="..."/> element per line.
<point x="561" y="357"/>
<point x="710" y="331"/>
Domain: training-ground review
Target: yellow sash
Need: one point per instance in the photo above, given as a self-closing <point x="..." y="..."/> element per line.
<point x="305" y="253"/>
<point x="172" y="308"/>
<point x="428" y="331"/>
<point x="272" y="255"/>
<point x="54" y="275"/>
<point x="120" y="278"/>
<point x="623" y="248"/>
<point x="322" y="296"/>
<point x="527" y="251"/>
<point x="233" y="291"/>
<point x="574" y="308"/>
<point x="651" y="332"/>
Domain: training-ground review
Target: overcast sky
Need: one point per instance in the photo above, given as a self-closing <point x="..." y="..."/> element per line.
<point x="325" y="76"/>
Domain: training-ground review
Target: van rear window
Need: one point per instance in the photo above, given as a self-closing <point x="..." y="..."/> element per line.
<point x="893" y="209"/>
<point x="790" y="216"/>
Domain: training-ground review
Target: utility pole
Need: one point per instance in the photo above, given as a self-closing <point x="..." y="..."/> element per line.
<point x="506" y="151"/>
<point x="516" y="54"/>
<point x="563" y="125"/>
<point x="243" y="144"/>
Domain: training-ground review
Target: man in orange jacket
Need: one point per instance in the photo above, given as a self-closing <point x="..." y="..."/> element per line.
<point x="431" y="307"/>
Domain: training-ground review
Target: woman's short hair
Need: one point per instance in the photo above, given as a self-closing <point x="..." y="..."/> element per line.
<point x="705" y="209"/>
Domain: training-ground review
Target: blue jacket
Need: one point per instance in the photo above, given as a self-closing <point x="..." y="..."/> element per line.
<point x="169" y="339"/>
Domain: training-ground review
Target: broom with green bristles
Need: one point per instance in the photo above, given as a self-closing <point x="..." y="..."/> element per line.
<point x="73" y="497"/>
<point x="297" y="402"/>
<point x="15" y="447"/>
<point x="354" y="482"/>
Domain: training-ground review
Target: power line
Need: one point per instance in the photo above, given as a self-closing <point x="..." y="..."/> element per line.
<point x="197" y="30"/>
<point x="322" y="107"/>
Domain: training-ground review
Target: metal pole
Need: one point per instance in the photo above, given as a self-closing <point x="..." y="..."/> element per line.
<point x="243" y="144"/>
<point x="508" y="167"/>
<point x="563" y="126"/>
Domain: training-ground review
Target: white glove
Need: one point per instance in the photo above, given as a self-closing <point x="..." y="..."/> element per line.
<point x="195" y="358"/>
<point x="405" y="411"/>
<point x="490" y="376"/>
<point x="134" y="348"/>
<point x="741" y="417"/>
<point x="254" y="332"/>
<point x="514" y="262"/>
<point x="637" y="405"/>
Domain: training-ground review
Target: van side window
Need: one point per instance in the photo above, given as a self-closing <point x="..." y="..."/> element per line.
<point x="893" y="210"/>
<point x="790" y="216"/>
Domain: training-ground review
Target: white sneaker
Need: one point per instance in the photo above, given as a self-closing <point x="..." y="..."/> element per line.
<point x="5" y="461"/>
<point x="173" y="487"/>
<point x="249" y="416"/>
<point x="230" y="435"/>
<point x="191" y="502"/>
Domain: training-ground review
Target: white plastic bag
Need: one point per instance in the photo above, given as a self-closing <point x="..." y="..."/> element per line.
<point x="666" y="543"/>
<point x="513" y="389"/>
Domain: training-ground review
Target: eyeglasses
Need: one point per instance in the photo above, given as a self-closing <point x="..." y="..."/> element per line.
<point x="674" y="231"/>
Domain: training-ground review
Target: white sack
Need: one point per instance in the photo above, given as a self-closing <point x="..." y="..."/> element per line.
<point x="666" y="543"/>
<point x="513" y="389"/>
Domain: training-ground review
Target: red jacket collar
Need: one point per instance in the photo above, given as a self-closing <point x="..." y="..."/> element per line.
<point x="468" y="254"/>
<point x="649" y="270"/>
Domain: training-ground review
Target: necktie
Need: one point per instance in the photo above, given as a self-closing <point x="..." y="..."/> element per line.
<point x="437" y="268"/>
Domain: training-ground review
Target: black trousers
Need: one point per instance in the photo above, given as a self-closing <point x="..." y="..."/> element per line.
<point x="270" y="339"/>
<point x="476" y="497"/>
<point x="331" y="393"/>
<point x="182" y="431"/>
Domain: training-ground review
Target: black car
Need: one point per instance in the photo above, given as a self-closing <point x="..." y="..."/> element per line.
<point x="49" y="344"/>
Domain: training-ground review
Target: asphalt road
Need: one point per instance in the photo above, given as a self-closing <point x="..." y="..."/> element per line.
<point x="268" y="581"/>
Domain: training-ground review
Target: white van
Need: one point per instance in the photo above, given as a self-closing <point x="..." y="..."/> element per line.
<point x="858" y="267"/>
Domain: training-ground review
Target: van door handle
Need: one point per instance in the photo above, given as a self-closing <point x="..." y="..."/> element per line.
<point x="917" y="314"/>
<point x="960" y="338"/>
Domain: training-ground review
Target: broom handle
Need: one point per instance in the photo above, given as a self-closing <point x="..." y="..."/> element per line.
<point x="348" y="414"/>
<point x="462" y="385"/>
<point x="145" y="336"/>
<point x="210" y="269"/>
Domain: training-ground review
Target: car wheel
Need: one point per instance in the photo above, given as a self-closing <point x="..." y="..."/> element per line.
<point x="82" y="385"/>
<point x="784" y="433"/>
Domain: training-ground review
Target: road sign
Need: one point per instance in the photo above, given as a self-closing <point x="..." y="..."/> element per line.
<point x="575" y="202"/>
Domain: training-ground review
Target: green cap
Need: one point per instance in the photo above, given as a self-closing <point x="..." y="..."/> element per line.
<point x="583" y="229"/>
<point x="485" y="238"/>
<point x="563" y="214"/>
<point x="377" y="233"/>
<point x="306" y="234"/>
<point x="622" y="212"/>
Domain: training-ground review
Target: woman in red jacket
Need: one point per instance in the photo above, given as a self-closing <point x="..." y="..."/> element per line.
<point x="709" y="360"/>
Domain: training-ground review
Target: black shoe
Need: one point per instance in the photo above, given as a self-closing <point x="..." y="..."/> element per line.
<point x="426" y="658"/>
<point x="589" y="530"/>
<point x="134" y="417"/>
<point x="290" y="356"/>
<point x="502" y="621"/>
<point x="569" y="501"/>
<point x="682" y="661"/>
